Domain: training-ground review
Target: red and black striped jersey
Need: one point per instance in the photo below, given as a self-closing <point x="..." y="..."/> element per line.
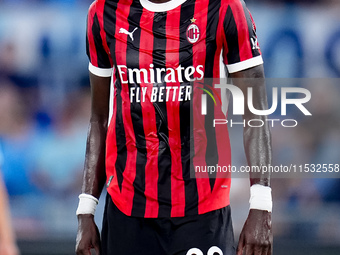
<point x="157" y="55"/>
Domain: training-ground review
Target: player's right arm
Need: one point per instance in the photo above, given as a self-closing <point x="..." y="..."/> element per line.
<point x="94" y="171"/>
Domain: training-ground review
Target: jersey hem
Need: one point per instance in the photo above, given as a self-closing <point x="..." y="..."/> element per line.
<point x="240" y="66"/>
<point x="223" y="203"/>
<point x="161" y="7"/>
<point x="101" y="72"/>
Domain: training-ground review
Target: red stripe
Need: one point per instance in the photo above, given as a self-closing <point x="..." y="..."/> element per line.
<point x="222" y="137"/>
<point x="200" y="139"/>
<point x="219" y="197"/>
<point x="242" y="30"/>
<point x="221" y="42"/>
<point x="220" y="193"/>
<point x="100" y="8"/>
<point x="149" y="117"/>
<point x="172" y="61"/>
<point x="92" y="46"/>
<point x="124" y="199"/>
<point x="216" y="68"/>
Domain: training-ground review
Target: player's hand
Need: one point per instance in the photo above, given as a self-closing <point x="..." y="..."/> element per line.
<point x="88" y="235"/>
<point x="256" y="237"/>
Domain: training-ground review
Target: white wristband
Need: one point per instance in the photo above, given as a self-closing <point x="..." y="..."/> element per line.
<point x="261" y="198"/>
<point x="87" y="204"/>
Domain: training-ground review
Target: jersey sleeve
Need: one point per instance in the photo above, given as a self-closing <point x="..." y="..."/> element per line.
<point x="241" y="49"/>
<point x="96" y="48"/>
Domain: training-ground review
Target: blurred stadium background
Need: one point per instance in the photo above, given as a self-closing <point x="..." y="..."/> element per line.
<point x="44" y="114"/>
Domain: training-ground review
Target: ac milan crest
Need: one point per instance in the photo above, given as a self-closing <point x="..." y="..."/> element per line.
<point x="193" y="33"/>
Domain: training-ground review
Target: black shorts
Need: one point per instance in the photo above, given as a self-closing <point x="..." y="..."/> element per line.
<point x="206" y="234"/>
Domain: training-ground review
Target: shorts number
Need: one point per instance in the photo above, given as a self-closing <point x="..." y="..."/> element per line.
<point x="212" y="251"/>
<point x="194" y="251"/>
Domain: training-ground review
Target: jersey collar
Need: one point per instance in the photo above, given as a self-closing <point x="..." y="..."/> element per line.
<point x="162" y="7"/>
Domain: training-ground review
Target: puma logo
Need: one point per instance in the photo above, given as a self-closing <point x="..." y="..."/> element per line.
<point x="124" y="31"/>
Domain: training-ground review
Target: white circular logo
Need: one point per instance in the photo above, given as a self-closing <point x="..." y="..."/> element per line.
<point x="193" y="33"/>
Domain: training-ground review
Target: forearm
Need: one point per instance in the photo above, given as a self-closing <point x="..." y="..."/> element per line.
<point x="257" y="144"/>
<point x="94" y="170"/>
<point x="257" y="140"/>
<point x="93" y="182"/>
<point x="256" y="235"/>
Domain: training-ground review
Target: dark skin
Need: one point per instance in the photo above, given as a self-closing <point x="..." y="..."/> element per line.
<point x="256" y="236"/>
<point x="94" y="173"/>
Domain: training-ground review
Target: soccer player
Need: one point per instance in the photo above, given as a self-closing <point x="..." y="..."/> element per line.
<point x="149" y="64"/>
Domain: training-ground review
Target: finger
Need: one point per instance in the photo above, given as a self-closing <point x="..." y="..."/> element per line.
<point x="240" y="246"/>
<point x="249" y="249"/>
<point x="96" y="246"/>
<point x="266" y="250"/>
<point x="81" y="250"/>
<point x="261" y="250"/>
<point x="97" y="243"/>
<point x="270" y="250"/>
<point x="97" y="249"/>
<point x="258" y="251"/>
<point x="84" y="252"/>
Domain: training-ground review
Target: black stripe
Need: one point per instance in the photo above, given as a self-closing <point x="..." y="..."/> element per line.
<point x="132" y="61"/>
<point x="110" y="28"/>
<point x="102" y="57"/>
<point x="110" y="8"/>
<point x="164" y="156"/>
<point x="87" y="41"/>
<point x="186" y="124"/>
<point x="120" y="141"/>
<point x="252" y="30"/>
<point x="211" y="44"/>
<point x="230" y="30"/>
<point x="211" y="155"/>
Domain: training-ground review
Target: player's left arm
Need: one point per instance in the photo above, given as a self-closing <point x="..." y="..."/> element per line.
<point x="256" y="236"/>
